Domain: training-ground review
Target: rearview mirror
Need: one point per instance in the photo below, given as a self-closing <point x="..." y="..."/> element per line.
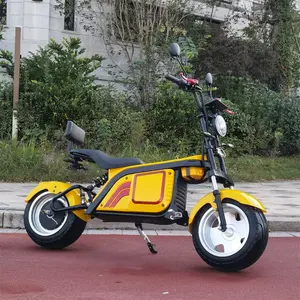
<point x="208" y="79"/>
<point x="175" y="50"/>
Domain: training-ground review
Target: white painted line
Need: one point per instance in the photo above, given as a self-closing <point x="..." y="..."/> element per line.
<point x="173" y="232"/>
<point x="130" y="232"/>
<point x="104" y="231"/>
<point x="8" y="230"/>
<point x="280" y="234"/>
<point x="295" y="234"/>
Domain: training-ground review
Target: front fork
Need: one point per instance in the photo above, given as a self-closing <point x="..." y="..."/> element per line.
<point x="213" y="179"/>
<point x="211" y="158"/>
<point x="216" y="193"/>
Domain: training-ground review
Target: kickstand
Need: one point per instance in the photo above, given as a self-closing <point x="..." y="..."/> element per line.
<point x="144" y="236"/>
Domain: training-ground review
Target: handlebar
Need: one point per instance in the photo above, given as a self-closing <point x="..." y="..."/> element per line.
<point x="183" y="82"/>
<point x="174" y="79"/>
<point x="187" y="83"/>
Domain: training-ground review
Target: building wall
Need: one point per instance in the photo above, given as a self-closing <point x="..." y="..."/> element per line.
<point x="40" y="21"/>
<point x="33" y="17"/>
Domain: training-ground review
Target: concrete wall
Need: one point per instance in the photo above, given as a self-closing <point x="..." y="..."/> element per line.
<point x="34" y="18"/>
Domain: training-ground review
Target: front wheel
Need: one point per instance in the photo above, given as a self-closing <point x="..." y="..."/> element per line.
<point x="51" y="230"/>
<point x="240" y="246"/>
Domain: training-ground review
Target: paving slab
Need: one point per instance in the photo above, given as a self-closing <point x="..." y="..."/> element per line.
<point x="281" y="199"/>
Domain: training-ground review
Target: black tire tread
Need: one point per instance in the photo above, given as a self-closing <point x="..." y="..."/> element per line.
<point x="71" y="231"/>
<point x="255" y="248"/>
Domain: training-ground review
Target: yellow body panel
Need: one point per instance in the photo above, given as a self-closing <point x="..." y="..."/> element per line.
<point x="113" y="172"/>
<point x="56" y="187"/>
<point x="239" y="196"/>
<point x="149" y="192"/>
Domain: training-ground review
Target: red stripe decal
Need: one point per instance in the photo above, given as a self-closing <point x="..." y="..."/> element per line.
<point x="122" y="194"/>
<point x="116" y="195"/>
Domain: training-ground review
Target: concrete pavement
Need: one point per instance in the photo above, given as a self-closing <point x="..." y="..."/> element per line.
<point x="281" y="199"/>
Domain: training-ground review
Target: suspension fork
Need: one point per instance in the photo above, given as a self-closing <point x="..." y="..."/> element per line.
<point x="221" y="159"/>
<point x="211" y="159"/>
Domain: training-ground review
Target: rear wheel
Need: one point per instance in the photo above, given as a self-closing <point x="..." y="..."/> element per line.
<point x="51" y="230"/>
<point x="240" y="246"/>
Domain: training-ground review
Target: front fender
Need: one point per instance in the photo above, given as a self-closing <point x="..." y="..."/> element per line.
<point x="239" y="196"/>
<point x="56" y="187"/>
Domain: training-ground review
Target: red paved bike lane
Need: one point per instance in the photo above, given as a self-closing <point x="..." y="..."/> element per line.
<point x="112" y="267"/>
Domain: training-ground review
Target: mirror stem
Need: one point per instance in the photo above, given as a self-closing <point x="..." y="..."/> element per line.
<point x="182" y="67"/>
<point x="210" y="92"/>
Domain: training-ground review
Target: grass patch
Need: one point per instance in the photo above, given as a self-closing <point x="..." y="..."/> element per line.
<point x="257" y="168"/>
<point x="33" y="163"/>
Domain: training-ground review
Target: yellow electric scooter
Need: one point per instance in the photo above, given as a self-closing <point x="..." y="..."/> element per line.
<point x="228" y="227"/>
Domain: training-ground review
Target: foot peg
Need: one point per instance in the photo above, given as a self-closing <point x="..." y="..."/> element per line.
<point x="151" y="246"/>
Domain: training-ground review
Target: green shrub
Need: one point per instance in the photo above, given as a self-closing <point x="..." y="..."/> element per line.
<point x="55" y="82"/>
<point x="256" y="126"/>
<point x="6" y="101"/>
<point x="57" y="86"/>
<point x="290" y="127"/>
<point x="172" y="121"/>
<point x="110" y="124"/>
<point x="264" y="122"/>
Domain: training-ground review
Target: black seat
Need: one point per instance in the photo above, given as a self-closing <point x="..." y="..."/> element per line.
<point x="103" y="160"/>
<point x="76" y="135"/>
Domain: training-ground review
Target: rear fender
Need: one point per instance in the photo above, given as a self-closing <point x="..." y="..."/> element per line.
<point x="56" y="187"/>
<point x="236" y="195"/>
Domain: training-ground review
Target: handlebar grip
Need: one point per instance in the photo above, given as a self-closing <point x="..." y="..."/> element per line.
<point x="173" y="79"/>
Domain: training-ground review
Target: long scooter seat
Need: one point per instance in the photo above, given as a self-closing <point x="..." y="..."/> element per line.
<point x="103" y="160"/>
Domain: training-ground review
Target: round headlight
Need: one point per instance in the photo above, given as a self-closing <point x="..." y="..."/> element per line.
<point x="221" y="125"/>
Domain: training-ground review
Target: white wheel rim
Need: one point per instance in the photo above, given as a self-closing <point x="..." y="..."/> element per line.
<point x="224" y="244"/>
<point x="34" y="215"/>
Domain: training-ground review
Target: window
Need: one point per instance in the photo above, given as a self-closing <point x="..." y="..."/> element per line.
<point x="69" y="21"/>
<point x="3" y="9"/>
<point x="257" y="5"/>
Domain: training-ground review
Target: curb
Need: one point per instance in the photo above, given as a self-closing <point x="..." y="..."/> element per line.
<point x="14" y="219"/>
<point x="273" y="234"/>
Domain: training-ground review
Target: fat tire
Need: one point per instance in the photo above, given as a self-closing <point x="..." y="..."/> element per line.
<point x="68" y="234"/>
<point x="252" y="250"/>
